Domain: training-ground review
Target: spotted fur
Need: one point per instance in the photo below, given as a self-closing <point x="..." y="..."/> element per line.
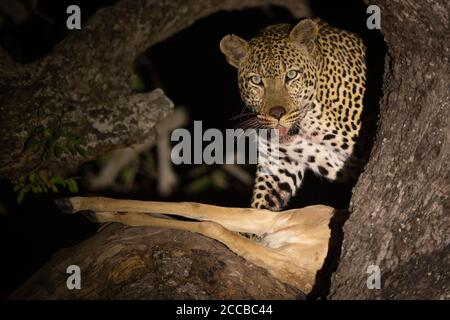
<point x="313" y="75"/>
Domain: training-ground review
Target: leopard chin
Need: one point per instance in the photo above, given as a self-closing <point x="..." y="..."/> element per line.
<point x="288" y="134"/>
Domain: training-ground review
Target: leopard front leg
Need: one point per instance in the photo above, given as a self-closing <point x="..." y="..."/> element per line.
<point x="276" y="184"/>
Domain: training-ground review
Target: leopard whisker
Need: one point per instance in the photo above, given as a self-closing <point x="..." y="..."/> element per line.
<point x="247" y="123"/>
<point x="246" y="114"/>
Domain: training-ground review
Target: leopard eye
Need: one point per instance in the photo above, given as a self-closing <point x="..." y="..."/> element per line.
<point x="256" y="80"/>
<point x="291" y="74"/>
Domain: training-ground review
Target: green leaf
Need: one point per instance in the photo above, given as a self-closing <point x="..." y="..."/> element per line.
<point x="30" y="144"/>
<point x="38" y="130"/>
<point x="44" y="178"/>
<point x="66" y="150"/>
<point x="21" y="194"/>
<point x="198" y="171"/>
<point x="137" y="84"/>
<point x="72" y="149"/>
<point x="58" y="150"/>
<point x="54" y="188"/>
<point x="32" y="176"/>
<point x="73" y="186"/>
<point x="81" y="151"/>
<point x="39" y="111"/>
<point x="219" y="179"/>
<point x="56" y="134"/>
<point x="57" y="180"/>
<point x="45" y="155"/>
<point x="128" y="174"/>
<point x="47" y="133"/>
<point x="44" y="187"/>
<point x="199" y="185"/>
<point x="51" y="151"/>
<point x="148" y="162"/>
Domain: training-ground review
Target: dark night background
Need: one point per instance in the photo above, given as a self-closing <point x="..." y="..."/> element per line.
<point x="193" y="73"/>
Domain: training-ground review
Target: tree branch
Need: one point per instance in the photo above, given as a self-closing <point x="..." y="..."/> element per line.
<point x="91" y="70"/>
<point x="151" y="263"/>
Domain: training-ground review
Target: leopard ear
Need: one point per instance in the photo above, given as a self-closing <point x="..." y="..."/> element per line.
<point x="304" y="32"/>
<point x="234" y="48"/>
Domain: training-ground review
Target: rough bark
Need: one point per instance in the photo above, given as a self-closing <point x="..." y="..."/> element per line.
<point x="149" y="263"/>
<point x="400" y="207"/>
<point x="91" y="70"/>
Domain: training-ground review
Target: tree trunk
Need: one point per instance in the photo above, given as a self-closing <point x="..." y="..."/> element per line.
<point x="400" y="207"/>
<point x="149" y="263"/>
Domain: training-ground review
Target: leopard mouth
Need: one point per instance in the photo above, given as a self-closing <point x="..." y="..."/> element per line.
<point x="285" y="134"/>
<point x="286" y="131"/>
<point x="282" y="131"/>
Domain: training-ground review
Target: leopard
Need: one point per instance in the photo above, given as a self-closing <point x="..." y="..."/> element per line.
<point x="306" y="83"/>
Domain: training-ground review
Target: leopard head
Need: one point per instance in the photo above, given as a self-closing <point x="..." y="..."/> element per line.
<point x="277" y="72"/>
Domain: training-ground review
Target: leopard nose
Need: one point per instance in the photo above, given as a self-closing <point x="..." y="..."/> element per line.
<point x="277" y="112"/>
